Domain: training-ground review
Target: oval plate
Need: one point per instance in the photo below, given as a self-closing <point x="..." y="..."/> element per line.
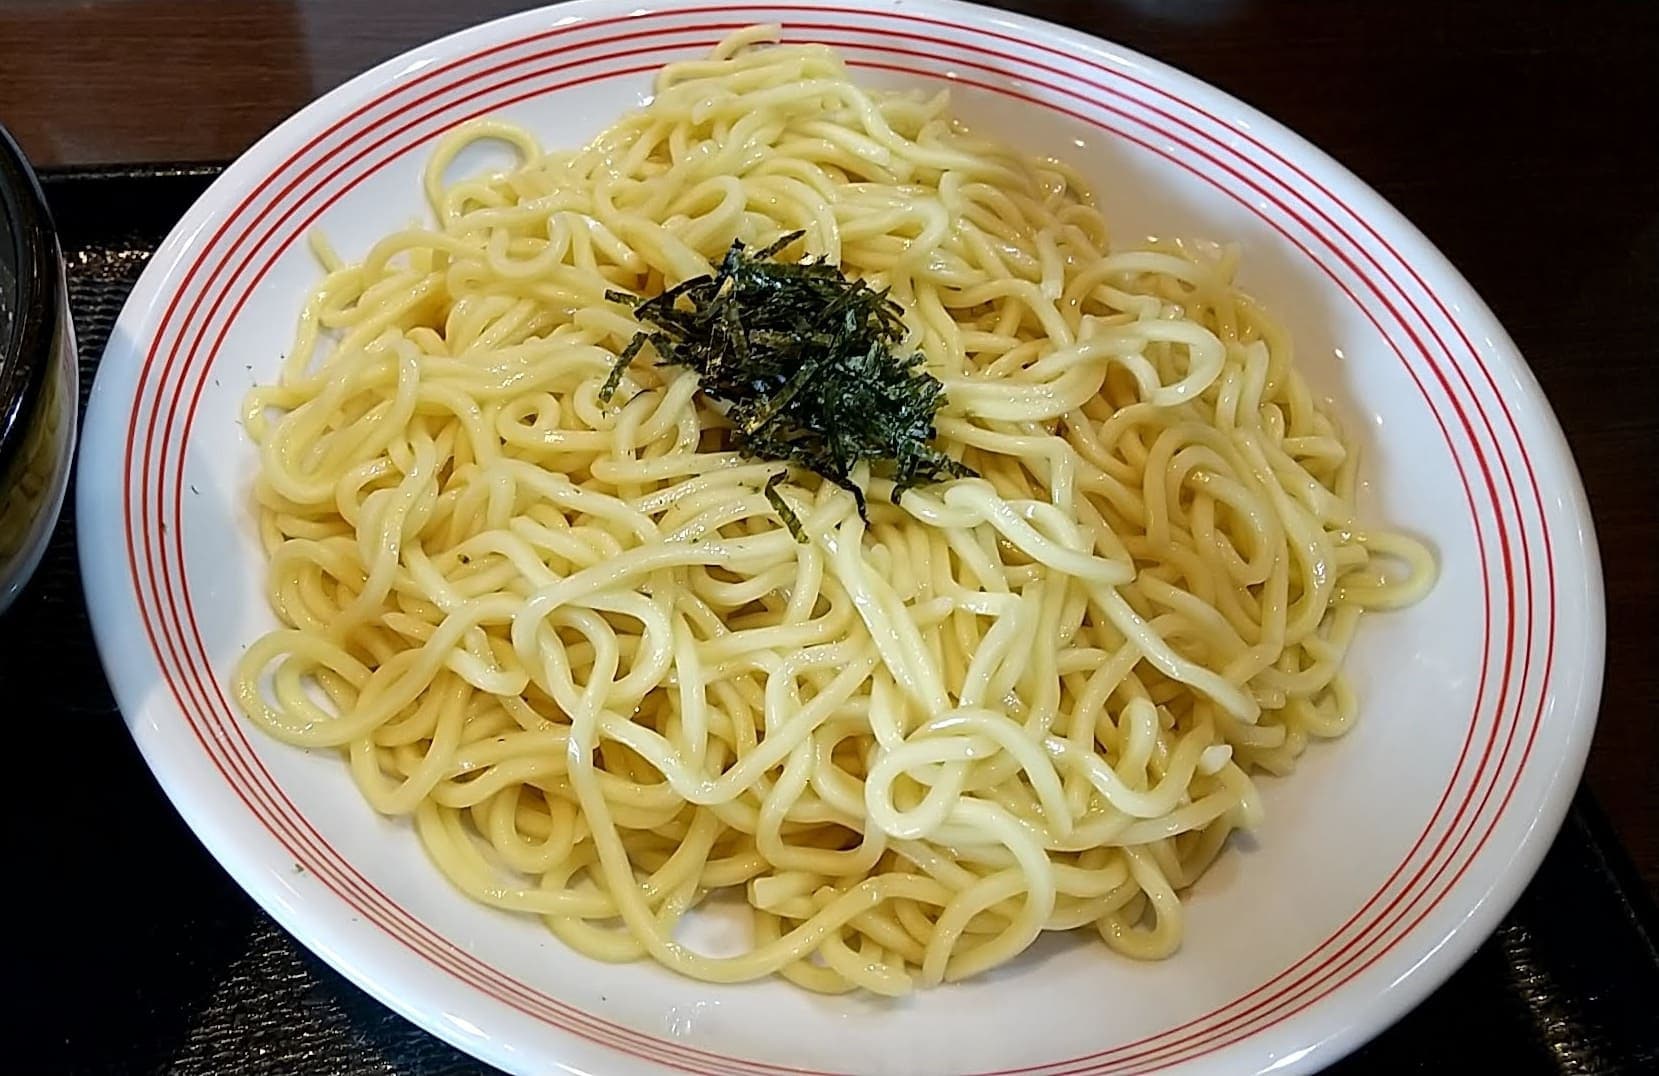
<point x="1385" y="859"/>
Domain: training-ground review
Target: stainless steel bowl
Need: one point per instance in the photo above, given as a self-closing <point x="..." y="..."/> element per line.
<point x="38" y="381"/>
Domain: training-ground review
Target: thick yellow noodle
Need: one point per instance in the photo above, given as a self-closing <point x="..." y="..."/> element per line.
<point x="575" y="642"/>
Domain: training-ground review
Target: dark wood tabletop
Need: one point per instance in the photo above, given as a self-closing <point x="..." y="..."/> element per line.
<point x="1519" y="135"/>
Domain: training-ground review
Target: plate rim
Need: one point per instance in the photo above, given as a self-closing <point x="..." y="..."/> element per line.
<point x="100" y="517"/>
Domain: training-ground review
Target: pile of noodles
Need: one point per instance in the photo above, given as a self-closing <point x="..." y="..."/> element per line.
<point x="574" y="641"/>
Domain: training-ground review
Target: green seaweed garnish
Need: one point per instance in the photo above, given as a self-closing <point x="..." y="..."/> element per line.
<point x="608" y="389"/>
<point x="781" y="507"/>
<point x="806" y="362"/>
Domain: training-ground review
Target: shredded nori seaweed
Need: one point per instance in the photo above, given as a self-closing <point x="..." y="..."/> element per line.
<point x="781" y="507"/>
<point x="805" y="360"/>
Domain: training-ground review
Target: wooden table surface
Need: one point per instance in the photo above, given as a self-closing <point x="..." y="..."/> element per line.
<point x="1520" y="136"/>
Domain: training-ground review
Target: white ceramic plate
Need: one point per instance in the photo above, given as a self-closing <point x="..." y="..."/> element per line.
<point x="1385" y="859"/>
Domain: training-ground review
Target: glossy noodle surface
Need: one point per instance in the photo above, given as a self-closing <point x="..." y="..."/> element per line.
<point x="572" y="636"/>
